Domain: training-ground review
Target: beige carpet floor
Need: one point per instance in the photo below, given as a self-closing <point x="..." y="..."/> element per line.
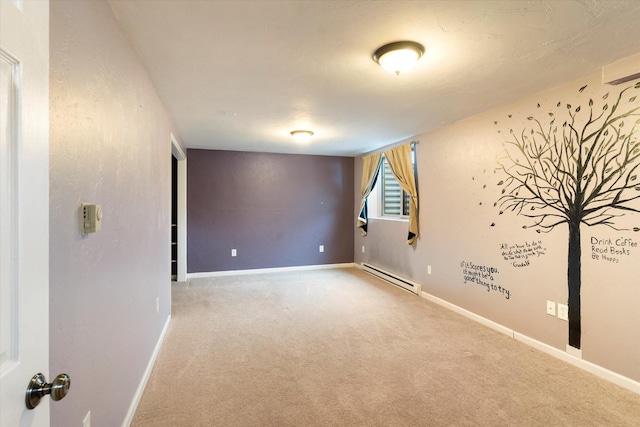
<point x="341" y="348"/>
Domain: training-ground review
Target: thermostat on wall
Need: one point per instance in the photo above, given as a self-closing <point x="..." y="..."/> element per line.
<point x="91" y="218"/>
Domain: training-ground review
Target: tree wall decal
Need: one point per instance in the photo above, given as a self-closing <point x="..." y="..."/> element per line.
<point x="575" y="166"/>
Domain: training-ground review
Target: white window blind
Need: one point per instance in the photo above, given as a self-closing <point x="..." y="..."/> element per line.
<point x="395" y="201"/>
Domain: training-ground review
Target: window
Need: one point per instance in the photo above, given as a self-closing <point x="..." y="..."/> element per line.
<point x="394" y="201"/>
<point x="388" y="199"/>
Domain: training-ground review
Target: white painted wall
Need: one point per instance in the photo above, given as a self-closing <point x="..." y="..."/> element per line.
<point x="110" y="144"/>
<point x="458" y="188"/>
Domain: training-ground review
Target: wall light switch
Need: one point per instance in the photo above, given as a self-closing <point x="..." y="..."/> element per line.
<point x="551" y="308"/>
<point x="321" y="248"/>
<point x="563" y="312"/>
<point x="362" y="248"/>
<point x="234" y="252"/>
<point x="428" y="269"/>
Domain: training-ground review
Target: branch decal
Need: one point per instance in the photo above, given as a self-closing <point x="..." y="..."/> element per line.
<point x="576" y="165"/>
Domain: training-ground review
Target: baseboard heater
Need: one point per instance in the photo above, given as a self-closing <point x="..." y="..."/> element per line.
<point x="392" y="278"/>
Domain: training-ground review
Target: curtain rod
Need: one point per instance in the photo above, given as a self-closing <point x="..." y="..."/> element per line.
<point x="414" y="142"/>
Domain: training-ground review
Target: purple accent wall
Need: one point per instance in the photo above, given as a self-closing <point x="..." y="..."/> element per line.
<point x="274" y="209"/>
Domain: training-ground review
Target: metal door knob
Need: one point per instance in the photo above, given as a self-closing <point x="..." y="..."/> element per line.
<point x="38" y="388"/>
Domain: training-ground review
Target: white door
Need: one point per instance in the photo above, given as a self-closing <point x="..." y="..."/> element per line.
<point x="24" y="207"/>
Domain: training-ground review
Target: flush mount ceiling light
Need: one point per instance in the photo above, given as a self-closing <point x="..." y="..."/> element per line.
<point x="302" y="136"/>
<point x="398" y="57"/>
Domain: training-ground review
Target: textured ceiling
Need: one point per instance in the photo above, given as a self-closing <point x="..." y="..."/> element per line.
<point x="239" y="75"/>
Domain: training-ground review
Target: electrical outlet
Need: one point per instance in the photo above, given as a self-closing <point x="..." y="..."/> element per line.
<point x="551" y="308"/>
<point x="362" y="248"/>
<point x="321" y="248"/>
<point x="563" y="312"/>
<point x="234" y="252"/>
<point x="157" y="305"/>
<point x="428" y="269"/>
<point x="86" y="422"/>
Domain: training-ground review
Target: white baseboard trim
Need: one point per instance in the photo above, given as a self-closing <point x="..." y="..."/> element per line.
<point x="466" y="313"/>
<point x="571" y="356"/>
<point x="145" y="377"/>
<point x="268" y="270"/>
<point x="596" y="370"/>
<point x="575" y="352"/>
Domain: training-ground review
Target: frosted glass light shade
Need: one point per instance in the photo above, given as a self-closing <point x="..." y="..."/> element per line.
<point x="398" y="57"/>
<point x="302" y="136"/>
<point x="398" y="61"/>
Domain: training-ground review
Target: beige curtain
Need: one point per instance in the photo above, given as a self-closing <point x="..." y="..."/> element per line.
<point x="399" y="159"/>
<point x="370" y="169"/>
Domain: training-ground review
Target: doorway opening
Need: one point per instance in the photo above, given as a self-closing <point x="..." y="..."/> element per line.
<point x="178" y="212"/>
<point x="174" y="218"/>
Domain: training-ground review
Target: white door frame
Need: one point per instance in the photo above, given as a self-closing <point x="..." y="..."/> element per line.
<point x="179" y="154"/>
